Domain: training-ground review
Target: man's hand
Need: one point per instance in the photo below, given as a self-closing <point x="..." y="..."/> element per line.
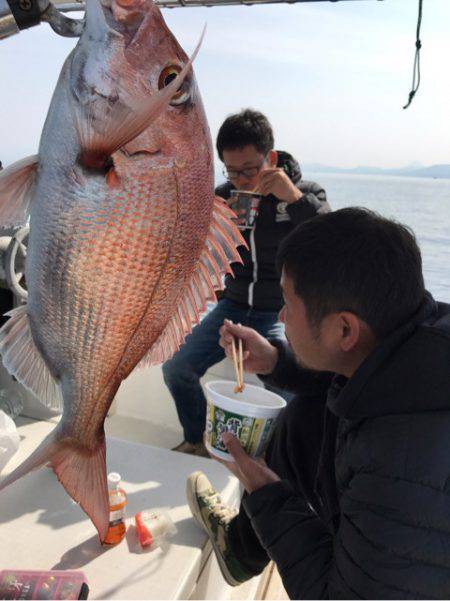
<point x="276" y="181"/>
<point x="252" y="473"/>
<point x="260" y="357"/>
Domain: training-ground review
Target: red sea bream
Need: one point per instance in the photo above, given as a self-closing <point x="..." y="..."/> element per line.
<point x="127" y="240"/>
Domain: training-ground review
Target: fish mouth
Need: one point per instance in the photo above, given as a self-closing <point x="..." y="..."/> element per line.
<point x="124" y="16"/>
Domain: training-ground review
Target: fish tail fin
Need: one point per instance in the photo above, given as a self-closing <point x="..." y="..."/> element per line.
<point x="80" y="470"/>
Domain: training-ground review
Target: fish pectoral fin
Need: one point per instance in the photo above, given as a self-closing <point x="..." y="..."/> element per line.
<point x="16" y="189"/>
<point x="214" y="263"/>
<point x="23" y="360"/>
<point x="81" y="471"/>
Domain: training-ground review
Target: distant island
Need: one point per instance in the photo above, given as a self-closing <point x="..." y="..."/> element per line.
<point x="414" y="170"/>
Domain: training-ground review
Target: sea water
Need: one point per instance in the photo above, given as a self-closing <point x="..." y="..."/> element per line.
<point x="423" y="204"/>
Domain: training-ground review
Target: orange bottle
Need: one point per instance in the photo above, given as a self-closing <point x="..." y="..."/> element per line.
<point x="117" y="503"/>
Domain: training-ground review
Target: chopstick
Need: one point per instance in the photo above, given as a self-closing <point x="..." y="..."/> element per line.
<point x="241" y="364"/>
<point x="238" y="360"/>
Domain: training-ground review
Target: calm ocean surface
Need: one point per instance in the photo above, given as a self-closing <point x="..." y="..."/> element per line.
<point x="421" y="203"/>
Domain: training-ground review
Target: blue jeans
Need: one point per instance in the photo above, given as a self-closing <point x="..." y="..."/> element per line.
<point x="200" y="351"/>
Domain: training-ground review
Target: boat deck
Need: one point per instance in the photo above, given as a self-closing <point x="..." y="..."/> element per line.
<point x="144" y="414"/>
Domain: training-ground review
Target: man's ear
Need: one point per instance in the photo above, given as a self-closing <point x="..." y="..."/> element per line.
<point x="349" y="331"/>
<point x="272" y="158"/>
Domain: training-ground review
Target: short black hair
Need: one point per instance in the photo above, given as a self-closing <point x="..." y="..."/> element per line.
<point x="247" y="128"/>
<point x="355" y="260"/>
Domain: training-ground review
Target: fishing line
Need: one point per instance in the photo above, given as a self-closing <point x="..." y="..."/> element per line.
<point x="416" y="68"/>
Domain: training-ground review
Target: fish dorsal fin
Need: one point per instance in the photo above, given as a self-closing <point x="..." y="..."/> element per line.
<point x="16" y="189"/>
<point x="23" y="360"/>
<point x="213" y="265"/>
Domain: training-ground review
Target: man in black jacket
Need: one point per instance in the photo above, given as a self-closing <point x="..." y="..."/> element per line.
<point x="354" y="501"/>
<point x="253" y="296"/>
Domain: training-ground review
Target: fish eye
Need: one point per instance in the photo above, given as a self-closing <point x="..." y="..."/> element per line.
<point x="167" y="75"/>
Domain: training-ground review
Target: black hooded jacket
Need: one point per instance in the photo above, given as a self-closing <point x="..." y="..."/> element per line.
<point x="363" y="508"/>
<point x="256" y="282"/>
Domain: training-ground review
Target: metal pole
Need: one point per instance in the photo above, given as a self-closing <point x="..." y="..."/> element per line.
<point x="20" y="14"/>
<point x="8" y="25"/>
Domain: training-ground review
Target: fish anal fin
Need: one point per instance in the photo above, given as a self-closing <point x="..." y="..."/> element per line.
<point x="23" y="360"/>
<point x="16" y="189"/>
<point x="81" y="471"/>
<point x="213" y="265"/>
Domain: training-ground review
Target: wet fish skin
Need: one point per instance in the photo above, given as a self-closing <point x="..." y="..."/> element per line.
<point x="120" y="217"/>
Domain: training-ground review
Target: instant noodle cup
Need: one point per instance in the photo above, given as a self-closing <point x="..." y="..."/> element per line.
<point x="246" y="206"/>
<point x="249" y="415"/>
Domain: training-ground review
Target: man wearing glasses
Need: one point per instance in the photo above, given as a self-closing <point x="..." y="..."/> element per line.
<point x="245" y="145"/>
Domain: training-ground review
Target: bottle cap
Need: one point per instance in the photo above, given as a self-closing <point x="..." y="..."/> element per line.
<point x="145" y="537"/>
<point x="114" y="478"/>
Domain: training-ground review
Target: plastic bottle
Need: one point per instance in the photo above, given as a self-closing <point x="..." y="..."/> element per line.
<point x="117" y="503"/>
<point x="154" y="526"/>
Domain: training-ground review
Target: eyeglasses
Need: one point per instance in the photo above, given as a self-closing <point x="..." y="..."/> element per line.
<point x="248" y="173"/>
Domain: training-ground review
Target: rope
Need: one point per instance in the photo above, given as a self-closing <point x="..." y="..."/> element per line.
<point x="416" y="68"/>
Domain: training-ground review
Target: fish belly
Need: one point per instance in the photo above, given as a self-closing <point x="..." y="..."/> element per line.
<point x="105" y="270"/>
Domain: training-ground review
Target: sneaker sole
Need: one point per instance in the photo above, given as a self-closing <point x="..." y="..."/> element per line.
<point x="198" y="517"/>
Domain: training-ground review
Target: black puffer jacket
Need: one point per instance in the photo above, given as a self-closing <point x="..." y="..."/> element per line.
<point x="364" y="512"/>
<point x="256" y="282"/>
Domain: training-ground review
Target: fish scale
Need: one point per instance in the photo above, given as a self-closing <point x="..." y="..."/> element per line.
<point x="168" y="293"/>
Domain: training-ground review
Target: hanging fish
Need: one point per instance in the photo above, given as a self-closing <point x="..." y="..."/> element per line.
<point x="127" y="241"/>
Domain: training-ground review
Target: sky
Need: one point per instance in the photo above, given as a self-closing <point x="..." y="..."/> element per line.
<point x="331" y="77"/>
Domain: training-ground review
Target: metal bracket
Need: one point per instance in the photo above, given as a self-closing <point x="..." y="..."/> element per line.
<point x="22" y="14"/>
<point x="62" y="25"/>
<point x="26" y="13"/>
